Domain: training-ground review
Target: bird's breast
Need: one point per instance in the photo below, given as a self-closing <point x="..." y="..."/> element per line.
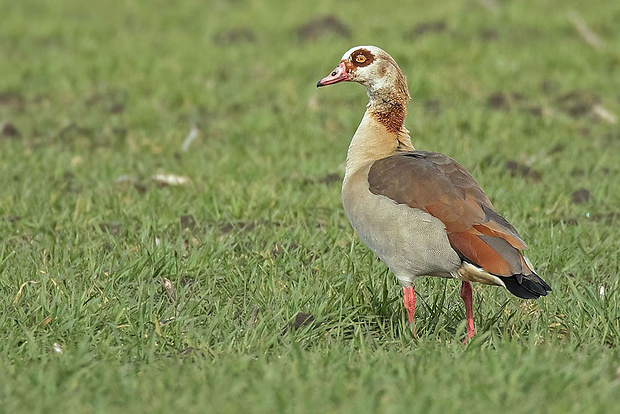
<point x="410" y="241"/>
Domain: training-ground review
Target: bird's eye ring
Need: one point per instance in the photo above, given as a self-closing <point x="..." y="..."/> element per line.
<point x="360" y="58"/>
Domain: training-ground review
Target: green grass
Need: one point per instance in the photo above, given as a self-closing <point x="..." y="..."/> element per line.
<point x="103" y="94"/>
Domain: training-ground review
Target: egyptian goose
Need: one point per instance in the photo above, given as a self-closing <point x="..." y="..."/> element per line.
<point x="421" y="212"/>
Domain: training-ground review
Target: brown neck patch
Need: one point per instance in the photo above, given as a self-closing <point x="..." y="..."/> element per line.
<point x="391" y="115"/>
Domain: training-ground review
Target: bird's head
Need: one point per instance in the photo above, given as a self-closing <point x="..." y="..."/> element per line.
<point x="369" y="66"/>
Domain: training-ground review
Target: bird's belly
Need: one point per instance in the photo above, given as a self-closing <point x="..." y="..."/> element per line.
<point x="410" y="241"/>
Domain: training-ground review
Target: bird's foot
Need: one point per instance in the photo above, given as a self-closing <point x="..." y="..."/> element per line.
<point x="467" y="297"/>
<point x="409" y="301"/>
<point x="470" y="333"/>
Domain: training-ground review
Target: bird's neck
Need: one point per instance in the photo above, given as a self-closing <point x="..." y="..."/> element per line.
<point x="388" y="97"/>
<point x="381" y="132"/>
<point x="390" y="113"/>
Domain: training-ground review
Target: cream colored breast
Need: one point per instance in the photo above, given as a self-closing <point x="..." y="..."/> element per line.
<point x="410" y="241"/>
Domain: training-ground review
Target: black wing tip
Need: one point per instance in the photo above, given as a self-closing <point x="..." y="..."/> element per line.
<point x="530" y="287"/>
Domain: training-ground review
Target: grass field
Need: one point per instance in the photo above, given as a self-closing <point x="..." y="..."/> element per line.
<point x="120" y="293"/>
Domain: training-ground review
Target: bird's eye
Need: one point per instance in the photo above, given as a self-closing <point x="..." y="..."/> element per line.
<point x="360" y="58"/>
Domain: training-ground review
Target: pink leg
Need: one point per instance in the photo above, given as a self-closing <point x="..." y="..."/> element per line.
<point x="409" y="301"/>
<point x="466" y="295"/>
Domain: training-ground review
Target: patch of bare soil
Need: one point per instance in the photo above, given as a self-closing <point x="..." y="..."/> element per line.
<point x="322" y="26"/>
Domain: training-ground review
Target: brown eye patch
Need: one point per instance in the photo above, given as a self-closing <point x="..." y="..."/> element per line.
<point x="362" y="57"/>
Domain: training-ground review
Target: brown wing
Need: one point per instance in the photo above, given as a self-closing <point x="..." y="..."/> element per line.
<point x="439" y="185"/>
